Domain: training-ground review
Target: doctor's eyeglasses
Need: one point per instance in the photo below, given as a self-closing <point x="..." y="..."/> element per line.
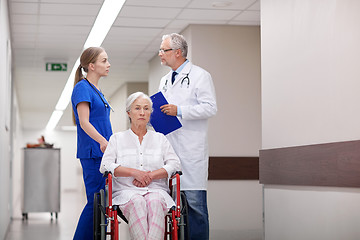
<point x="162" y="51"/>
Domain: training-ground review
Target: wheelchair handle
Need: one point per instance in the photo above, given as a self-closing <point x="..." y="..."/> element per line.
<point x="106" y="173"/>
<point x="176" y="173"/>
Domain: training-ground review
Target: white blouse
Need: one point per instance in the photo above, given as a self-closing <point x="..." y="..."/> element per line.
<point x="155" y="152"/>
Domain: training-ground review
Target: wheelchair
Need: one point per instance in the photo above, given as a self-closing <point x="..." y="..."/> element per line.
<point x="106" y="222"/>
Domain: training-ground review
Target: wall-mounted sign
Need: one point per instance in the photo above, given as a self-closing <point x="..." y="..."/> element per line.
<point x="56" y="66"/>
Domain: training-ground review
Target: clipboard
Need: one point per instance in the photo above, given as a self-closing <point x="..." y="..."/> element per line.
<point x="160" y="121"/>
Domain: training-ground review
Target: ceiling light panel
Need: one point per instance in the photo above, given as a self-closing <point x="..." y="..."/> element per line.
<point x="85" y="2"/>
<point x="24" y="8"/>
<point x="151" y="12"/>
<point x="178" y="25"/>
<point x="70" y="9"/>
<point x="64" y="30"/>
<point x="132" y="33"/>
<point x="66" y="20"/>
<point x="159" y="3"/>
<point x="140" y="22"/>
<point x="22" y="28"/>
<point x="199" y="14"/>
<point x="248" y="16"/>
<point x="255" y="6"/>
<point x="24" y="19"/>
<point x="229" y="4"/>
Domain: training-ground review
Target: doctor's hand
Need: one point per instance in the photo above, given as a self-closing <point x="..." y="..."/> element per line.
<point x="169" y="109"/>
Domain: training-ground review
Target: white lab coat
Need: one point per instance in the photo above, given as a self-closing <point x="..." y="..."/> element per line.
<point x="197" y="101"/>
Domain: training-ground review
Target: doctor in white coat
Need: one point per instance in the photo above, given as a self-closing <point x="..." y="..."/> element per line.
<point x="190" y="92"/>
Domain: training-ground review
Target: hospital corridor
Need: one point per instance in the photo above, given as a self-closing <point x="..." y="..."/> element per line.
<point x="263" y="94"/>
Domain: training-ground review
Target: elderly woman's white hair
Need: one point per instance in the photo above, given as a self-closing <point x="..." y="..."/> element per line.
<point x="131" y="99"/>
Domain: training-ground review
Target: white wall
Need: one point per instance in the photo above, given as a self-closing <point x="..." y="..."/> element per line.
<point x="310" y="94"/>
<point x="5" y="119"/>
<point x="235" y="207"/>
<point x="301" y="212"/>
<point x="310" y="72"/>
<point x="118" y="117"/>
<point x="232" y="55"/>
<point x="156" y="71"/>
<point x="17" y="153"/>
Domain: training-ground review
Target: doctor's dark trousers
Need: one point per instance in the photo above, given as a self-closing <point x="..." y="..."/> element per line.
<point x="93" y="181"/>
<point x="198" y="216"/>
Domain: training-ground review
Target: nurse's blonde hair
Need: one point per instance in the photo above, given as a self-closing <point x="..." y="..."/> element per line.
<point x="89" y="55"/>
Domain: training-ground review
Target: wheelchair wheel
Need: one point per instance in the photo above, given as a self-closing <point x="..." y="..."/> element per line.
<point x="99" y="216"/>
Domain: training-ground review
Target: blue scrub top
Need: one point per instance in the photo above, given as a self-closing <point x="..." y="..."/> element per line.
<point x="99" y="117"/>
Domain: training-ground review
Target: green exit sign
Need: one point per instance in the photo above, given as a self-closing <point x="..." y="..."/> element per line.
<point x="56" y="66"/>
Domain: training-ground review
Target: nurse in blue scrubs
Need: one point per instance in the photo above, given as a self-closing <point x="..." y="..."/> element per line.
<point x="92" y="117"/>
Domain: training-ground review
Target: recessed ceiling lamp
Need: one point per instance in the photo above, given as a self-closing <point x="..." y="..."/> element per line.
<point x="221" y="4"/>
<point x="105" y="19"/>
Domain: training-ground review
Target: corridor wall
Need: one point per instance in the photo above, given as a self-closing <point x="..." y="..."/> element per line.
<point x="310" y="95"/>
<point x="5" y="119"/>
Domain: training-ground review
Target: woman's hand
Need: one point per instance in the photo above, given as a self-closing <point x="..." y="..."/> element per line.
<point x="142" y="179"/>
<point x="139" y="184"/>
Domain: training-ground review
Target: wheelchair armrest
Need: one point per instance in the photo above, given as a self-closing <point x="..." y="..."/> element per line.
<point x="106" y="173"/>
<point x="176" y="173"/>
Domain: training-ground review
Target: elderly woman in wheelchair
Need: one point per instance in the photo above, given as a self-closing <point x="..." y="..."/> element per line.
<point x="141" y="162"/>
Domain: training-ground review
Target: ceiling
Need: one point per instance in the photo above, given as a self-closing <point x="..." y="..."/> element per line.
<point x="44" y="31"/>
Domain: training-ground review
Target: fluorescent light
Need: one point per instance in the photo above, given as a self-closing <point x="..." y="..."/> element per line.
<point x="105" y="19"/>
<point x="68" y="128"/>
<point x="54" y="119"/>
<point x="64" y="99"/>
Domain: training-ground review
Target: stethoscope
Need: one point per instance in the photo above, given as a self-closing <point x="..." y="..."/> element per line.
<point x="185" y="79"/>
<point x="107" y="105"/>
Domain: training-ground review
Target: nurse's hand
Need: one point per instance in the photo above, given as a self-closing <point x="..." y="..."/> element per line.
<point x="103" y="145"/>
<point x="169" y="109"/>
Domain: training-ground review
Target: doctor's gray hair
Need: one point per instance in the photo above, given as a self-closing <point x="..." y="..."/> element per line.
<point x="131" y="99"/>
<point x="177" y="41"/>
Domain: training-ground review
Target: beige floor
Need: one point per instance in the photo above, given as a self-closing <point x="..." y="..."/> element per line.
<point x="40" y="226"/>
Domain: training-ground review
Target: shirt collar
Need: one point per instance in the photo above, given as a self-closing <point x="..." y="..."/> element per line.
<point x="181" y="67"/>
<point x="136" y="136"/>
